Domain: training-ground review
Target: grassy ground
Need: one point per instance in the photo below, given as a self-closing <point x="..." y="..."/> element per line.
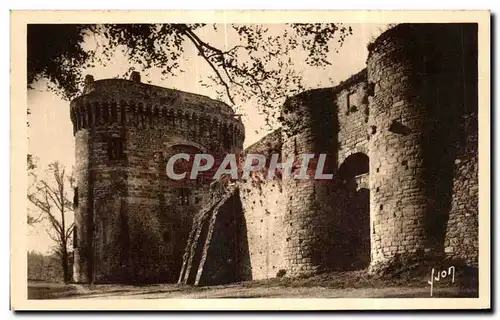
<point x="352" y="284"/>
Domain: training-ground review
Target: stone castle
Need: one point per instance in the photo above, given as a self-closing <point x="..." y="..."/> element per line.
<point x="401" y="140"/>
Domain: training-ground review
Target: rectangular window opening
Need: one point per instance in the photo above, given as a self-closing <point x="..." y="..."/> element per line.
<point x="115" y="148"/>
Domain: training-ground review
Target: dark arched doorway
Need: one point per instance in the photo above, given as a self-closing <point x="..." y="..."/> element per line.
<point x="355" y="245"/>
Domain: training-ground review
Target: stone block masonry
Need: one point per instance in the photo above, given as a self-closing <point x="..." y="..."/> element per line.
<point x="401" y="142"/>
<point x="263" y="205"/>
<point x="424" y="84"/>
<point x="403" y="149"/>
<point x="132" y="223"/>
<point x="461" y="241"/>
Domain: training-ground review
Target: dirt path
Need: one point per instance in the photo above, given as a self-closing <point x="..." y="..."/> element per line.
<point x="162" y="291"/>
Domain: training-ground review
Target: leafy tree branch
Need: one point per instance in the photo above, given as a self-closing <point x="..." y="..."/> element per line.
<point x="261" y="67"/>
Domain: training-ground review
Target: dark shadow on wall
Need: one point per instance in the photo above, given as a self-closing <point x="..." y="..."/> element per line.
<point x="242" y="252"/>
<point x="448" y="90"/>
<point x="227" y="258"/>
<point x="361" y="235"/>
<point x="354" y="165"/>
<point x="354" y="219"/>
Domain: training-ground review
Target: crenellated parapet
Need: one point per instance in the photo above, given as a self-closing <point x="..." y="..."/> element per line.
<point x="124" y="103"/>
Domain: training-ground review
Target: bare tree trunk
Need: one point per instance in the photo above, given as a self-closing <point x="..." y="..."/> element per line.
<point x="65" y="265"/>
<point x="52" y="200"/>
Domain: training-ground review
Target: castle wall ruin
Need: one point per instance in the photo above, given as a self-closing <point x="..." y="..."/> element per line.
<point x="401" y="142"/>
<point x="402" y="135"/>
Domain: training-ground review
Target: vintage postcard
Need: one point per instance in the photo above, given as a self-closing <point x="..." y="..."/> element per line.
<point x="250" y="160"/>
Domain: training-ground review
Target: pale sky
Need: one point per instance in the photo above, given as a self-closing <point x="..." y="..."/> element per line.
<point x="51" y="132"/>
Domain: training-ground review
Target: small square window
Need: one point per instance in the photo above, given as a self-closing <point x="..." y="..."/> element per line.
<point x="115" y="148"/>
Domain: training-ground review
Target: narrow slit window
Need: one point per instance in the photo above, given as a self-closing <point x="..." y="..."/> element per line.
<point x="75" y="237"/>
<point x="183" y="196"/>
<point x="351" y="103"/>
<point x="114" y="114"/>
<point x="105" y="112"/>
<point x="75" y="198"/>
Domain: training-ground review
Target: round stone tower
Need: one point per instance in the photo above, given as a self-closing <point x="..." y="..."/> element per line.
<point x="308" y="128"/>
<point x="396" y="149"/>
<point x="417" y="89"/>
<point x="132" y="222"/>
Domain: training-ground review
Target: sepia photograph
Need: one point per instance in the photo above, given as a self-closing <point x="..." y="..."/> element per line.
<point x="337" y="160"/>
